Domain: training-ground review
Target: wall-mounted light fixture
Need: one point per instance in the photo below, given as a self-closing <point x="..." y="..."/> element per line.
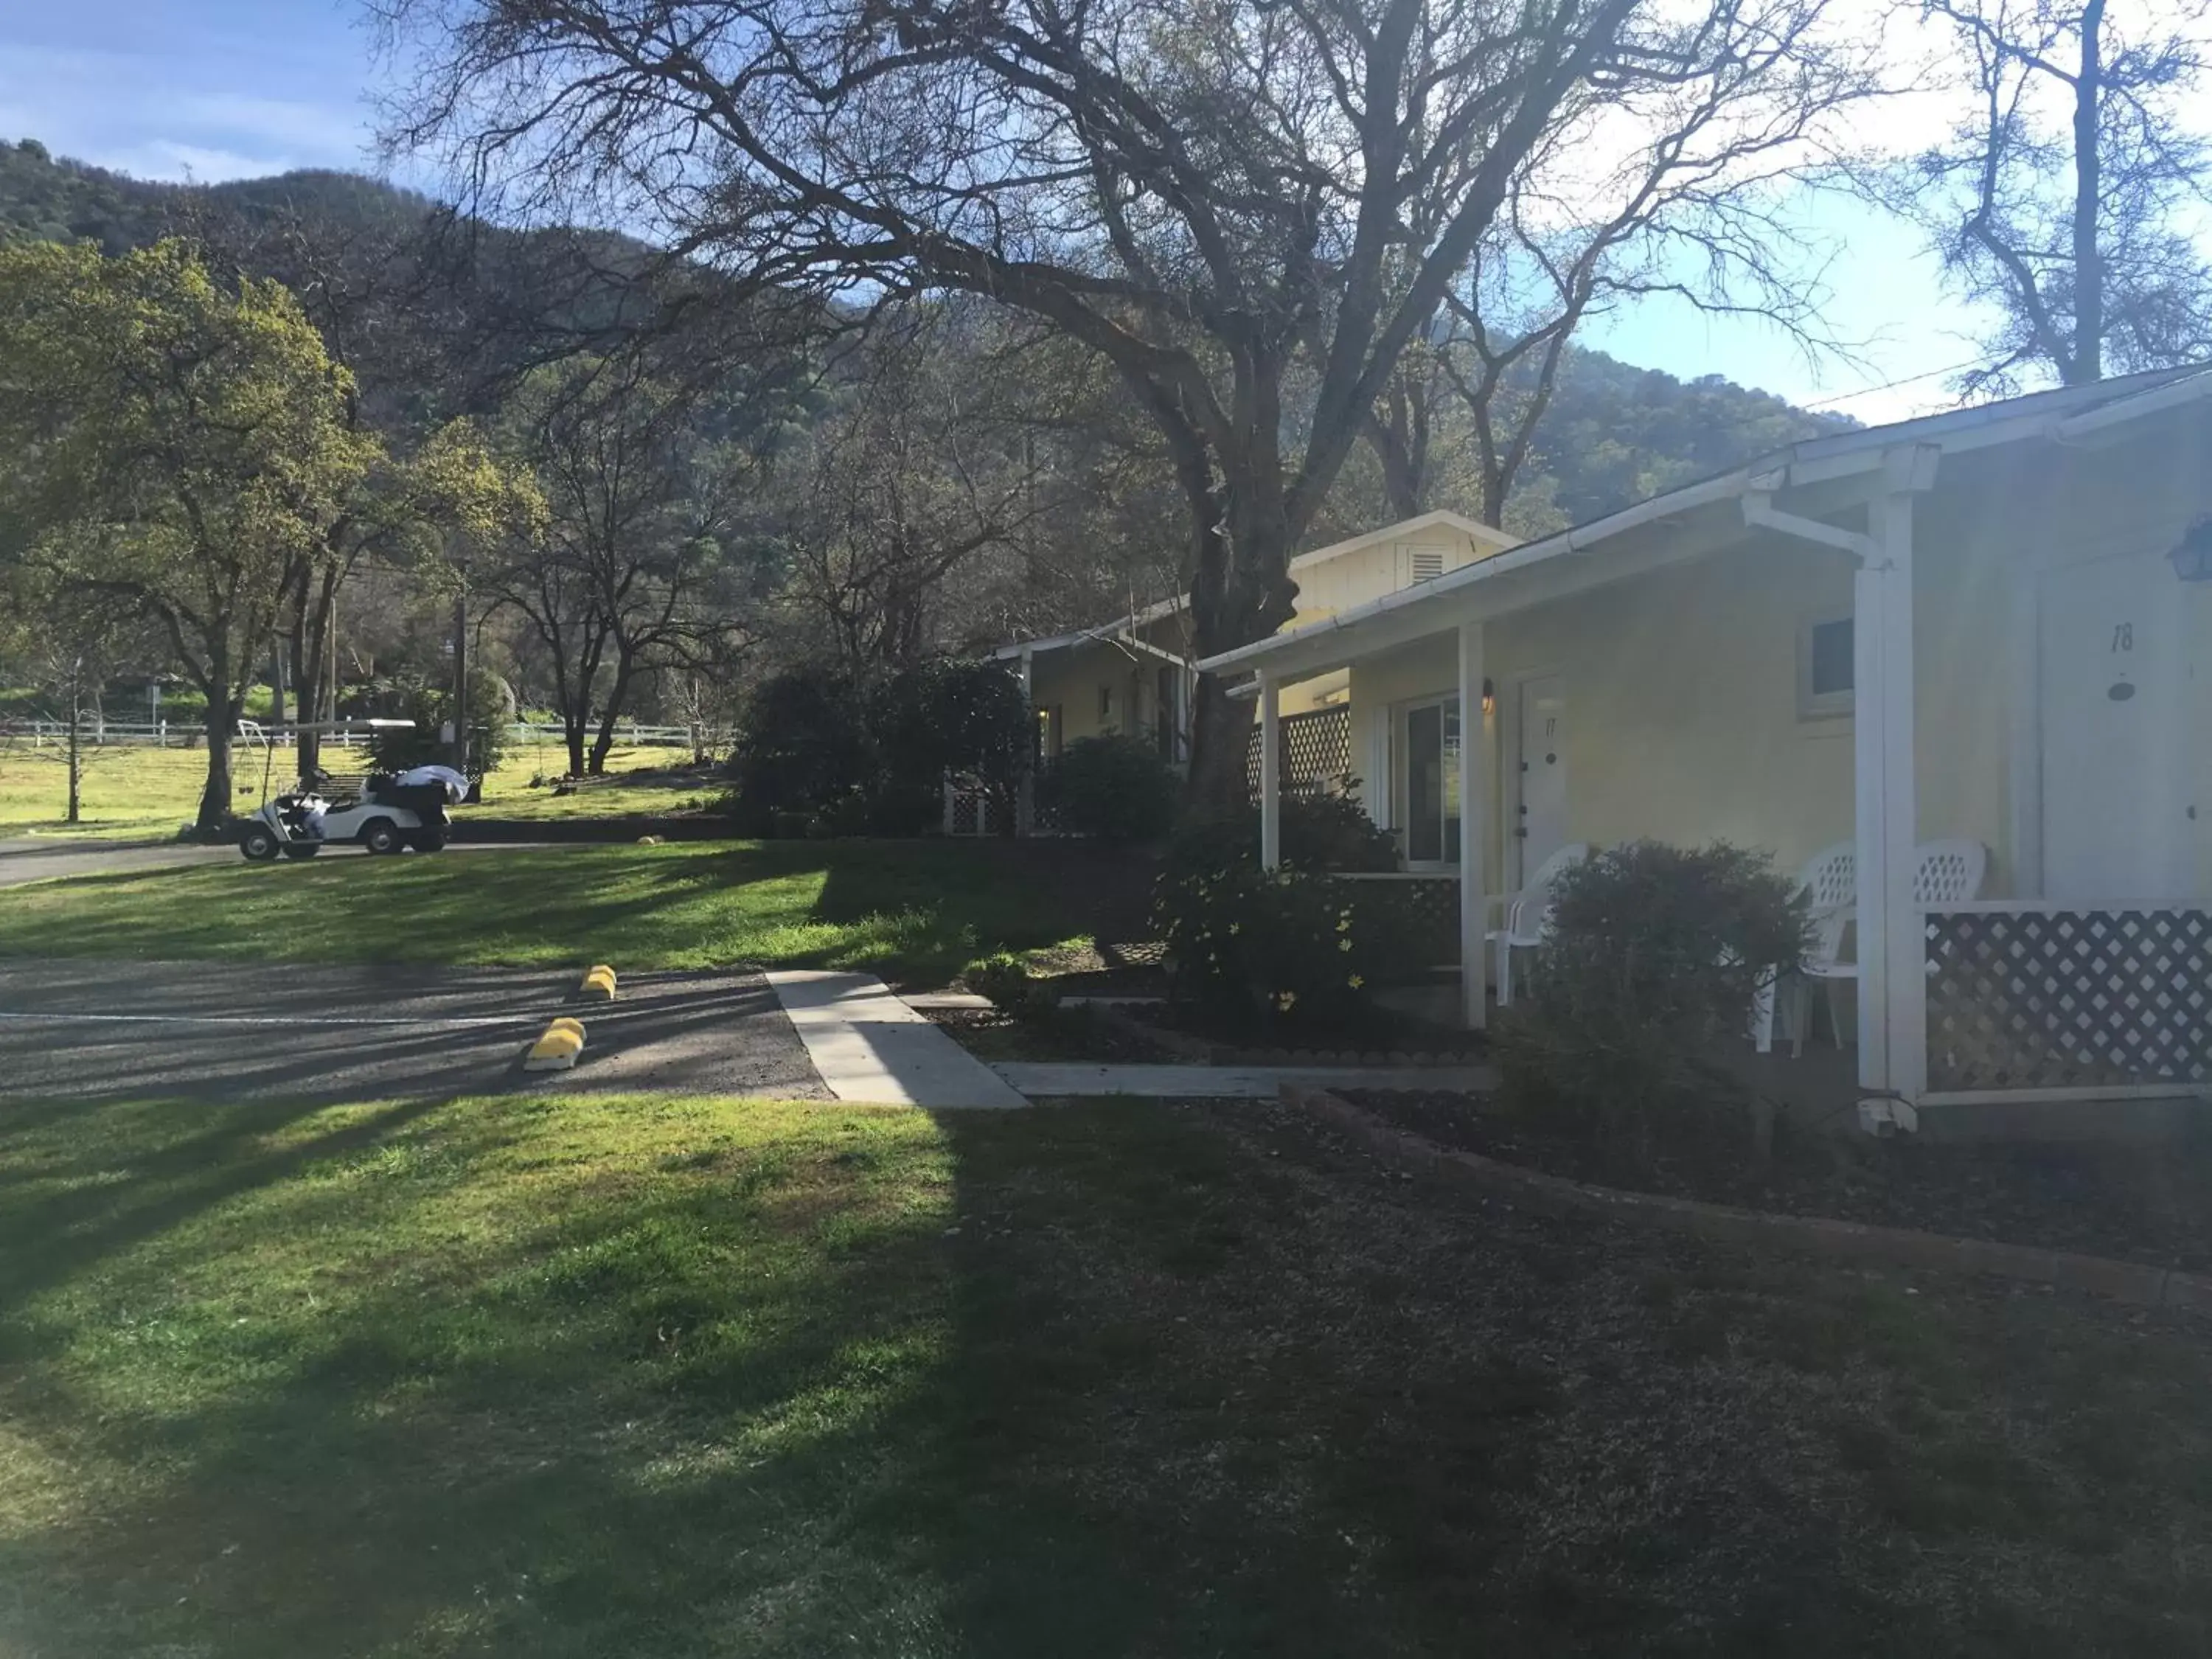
<point x="2191" y="557"/>
<point x="1489" y="696"/>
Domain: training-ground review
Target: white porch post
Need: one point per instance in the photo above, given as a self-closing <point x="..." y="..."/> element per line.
<point x="1270" y="771"/>
<point x="1473" y="827"/>
<point x="1025" y="801"/>
<point x="1905" y="937"/>
<point x="1892" y="955"/>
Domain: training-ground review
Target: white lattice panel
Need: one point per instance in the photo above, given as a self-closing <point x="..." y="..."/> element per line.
<point x="970" y="816"/>
<point x="2062" y="999"/>
<point x="1316" y="747"/>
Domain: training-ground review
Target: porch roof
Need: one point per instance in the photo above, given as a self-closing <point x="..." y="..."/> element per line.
<point x="1121" y="632"/>
<point x="1703" y="517"/>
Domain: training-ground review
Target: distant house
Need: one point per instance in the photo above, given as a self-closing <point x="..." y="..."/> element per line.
<point x="1134" y="676"/>
<point x="1992" y="626"/>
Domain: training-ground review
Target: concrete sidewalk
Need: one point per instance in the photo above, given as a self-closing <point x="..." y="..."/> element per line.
<point x="869" y="1046"/>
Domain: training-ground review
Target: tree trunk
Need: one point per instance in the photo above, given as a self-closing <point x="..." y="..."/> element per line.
<point x="1220" y="731"/>
<point x="306" y="684"/>
<point x="1241" y="590"/>
<point x="216" y="797"/>
<point x="617" y="695"/>
<point x="574" y="725"/>
<point x="276" y="665"/>
<point x="2088" y="257"/>
<point x="314" y="663"/>
<point x="76" y="746"/>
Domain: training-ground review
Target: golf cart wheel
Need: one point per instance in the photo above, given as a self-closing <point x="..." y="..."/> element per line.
<point x="430" y="841"/>
<point x="258" y="843"/>
<point x="380" y="836"/>
<point x="303" y="850"/>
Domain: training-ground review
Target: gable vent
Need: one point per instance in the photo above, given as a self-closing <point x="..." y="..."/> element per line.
<point x="1428" y="563"/>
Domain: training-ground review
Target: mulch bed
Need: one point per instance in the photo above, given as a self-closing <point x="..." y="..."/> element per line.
<point x="1383" y="1044"/>
<point x="2150" y="1205"/>
<point x="990" y="1034"/>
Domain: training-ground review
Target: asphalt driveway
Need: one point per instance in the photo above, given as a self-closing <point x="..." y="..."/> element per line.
<point x="89" y="1031"/>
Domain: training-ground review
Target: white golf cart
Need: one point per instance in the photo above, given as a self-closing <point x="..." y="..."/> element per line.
<point x="382" y="811"/>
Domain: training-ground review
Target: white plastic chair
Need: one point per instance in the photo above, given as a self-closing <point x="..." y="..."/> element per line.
<point x="1943" y="872"/>
<point x="1829" y="883"/>
<point x="1526" y="914"/>
<point x="1948" y="872"/>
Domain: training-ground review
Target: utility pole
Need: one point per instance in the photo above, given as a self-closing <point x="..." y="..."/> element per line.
<point x="461" y="672"/>
<point x="75" y="739"/>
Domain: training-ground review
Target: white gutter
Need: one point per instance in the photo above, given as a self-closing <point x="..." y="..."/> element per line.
<point x="1578" y="540"/>
<point x="2174" y="394"/>
<point x="1813" y="461"/>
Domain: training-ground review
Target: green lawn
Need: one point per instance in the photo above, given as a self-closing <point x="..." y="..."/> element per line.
<point x="637" y="781"/>
<point x="915" y="911"/>
<point x="128" y="793"/>
<point x="574" y="1375"/>
<point x="140" y="792"/>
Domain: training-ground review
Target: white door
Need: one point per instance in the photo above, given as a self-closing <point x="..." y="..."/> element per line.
<point x="1541" y="818"/>
<point x="2116" y="769"/>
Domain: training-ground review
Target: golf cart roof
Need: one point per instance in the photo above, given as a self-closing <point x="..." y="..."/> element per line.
<point x="290" y="728"/>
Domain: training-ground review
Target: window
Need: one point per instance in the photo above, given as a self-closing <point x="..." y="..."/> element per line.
<point x="1432" y="750"/>
<point x="1165" y="696"/>
<point x="1105" y="703"/>
<point x="1826" y="658"/>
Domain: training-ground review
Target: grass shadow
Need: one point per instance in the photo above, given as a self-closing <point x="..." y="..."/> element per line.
<point x="636" y="1375"/>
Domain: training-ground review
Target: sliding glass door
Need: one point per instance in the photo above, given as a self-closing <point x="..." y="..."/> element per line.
<point x="1430" y="740"/>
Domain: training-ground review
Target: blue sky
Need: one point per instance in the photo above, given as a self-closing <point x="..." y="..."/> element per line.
<point x="212" y="90"/>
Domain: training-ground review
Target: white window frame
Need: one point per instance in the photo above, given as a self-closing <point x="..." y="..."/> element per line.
<point x="1822" y="705"/>
<point x="1402" y="774"/>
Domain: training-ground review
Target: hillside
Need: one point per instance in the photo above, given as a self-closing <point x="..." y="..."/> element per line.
<point x="1614" y="434"/>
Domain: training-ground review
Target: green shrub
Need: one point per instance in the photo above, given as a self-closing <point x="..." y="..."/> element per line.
<point x="1288" y="949"/>
<point x="1116" y="788"/>
<point x="970" y="718"/>
<point x="1281" y="950"/>
<point x="1654" y="956"/>
<point x="814" y="748"/>
<point x="1006" y="980"/>
<point x="802" y="753"/>
<point x="407" y="696"/>
<point x="1321" y="832"/>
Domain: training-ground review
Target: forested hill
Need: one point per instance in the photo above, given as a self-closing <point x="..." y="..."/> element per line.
<point x="1614" y="435"/>
<point x="44" y="198"/>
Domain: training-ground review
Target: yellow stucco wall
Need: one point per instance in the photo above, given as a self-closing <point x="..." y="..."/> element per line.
<point x="1073" y="678"/>
<point x="1368" y="573"/>
<point x="1682" y="685"/>
<point x="1681" y="705"/>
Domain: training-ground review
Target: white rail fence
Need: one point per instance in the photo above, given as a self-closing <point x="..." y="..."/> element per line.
<point x="188" y="734"/>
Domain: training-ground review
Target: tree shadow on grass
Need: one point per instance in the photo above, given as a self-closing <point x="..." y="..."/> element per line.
<point x="641" y="1376"/>
<point x="647" y="1404"/>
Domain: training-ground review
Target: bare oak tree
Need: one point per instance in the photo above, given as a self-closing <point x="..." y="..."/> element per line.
<point x="1679" y="190"/>
<point x="1206" y="195"/>
<point x="638" y="500"/>
<point x="905" y="492"/>
<point x="2065" y="196"/>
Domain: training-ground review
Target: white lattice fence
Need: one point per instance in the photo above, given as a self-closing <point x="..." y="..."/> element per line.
<point x="967" y="810"/>
<point x="1316" y="748"/>
<point x="2050" y="997"/>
